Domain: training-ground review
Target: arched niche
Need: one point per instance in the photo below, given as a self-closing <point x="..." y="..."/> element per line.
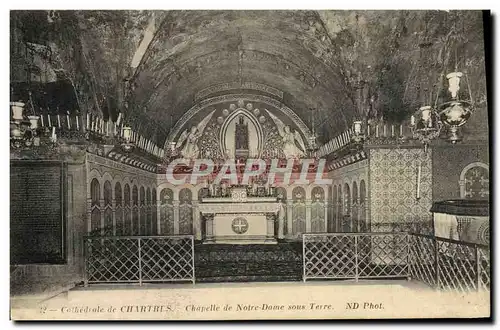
<point x="227" y="133"/>
<point x="474" y="181"/>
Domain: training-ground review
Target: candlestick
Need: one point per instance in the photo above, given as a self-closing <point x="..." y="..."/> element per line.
<point x="419" y="171"/>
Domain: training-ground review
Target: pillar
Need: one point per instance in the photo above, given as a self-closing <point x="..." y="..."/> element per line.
<point x="158" y="214"/>
<point x="196" y="220"/>
<point x="209" y="227"/>
<point x="308" y="216"/>
<point x="176" y="217"/>
<point x="289" y="215"/>
<point x="101" y="208"/>
<point x="89" y="215"/>
<point x="325" y="225"/>
<point x="113" y="211"/>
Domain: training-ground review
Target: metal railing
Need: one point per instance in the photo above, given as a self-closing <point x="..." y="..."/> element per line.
<point x="139" y="259"/>
<point x="355" y="255"/>
<point x="449" y="264"/>
<point x="440" y="263"/>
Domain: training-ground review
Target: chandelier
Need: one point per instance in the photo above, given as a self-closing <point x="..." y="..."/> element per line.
<point x="456" y="112"/>
<point x="452" y="108"/>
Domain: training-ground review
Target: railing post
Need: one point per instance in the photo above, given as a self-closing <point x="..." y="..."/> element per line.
<point x="192" y="257"/>
<point x="140" y="261"/>
<point x="408" y="256"/>
<point x="303" y="257"/>
<point x="436" y="260"/>
<point x="478" y="267"/>
<point x="356" y="261"/>
<point x="85" y="270"/>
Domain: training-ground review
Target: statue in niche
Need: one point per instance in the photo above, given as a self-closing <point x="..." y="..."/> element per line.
<point x="188" y="141"/>
<point x="290" y="139"/>
<point x="241" y="135"/>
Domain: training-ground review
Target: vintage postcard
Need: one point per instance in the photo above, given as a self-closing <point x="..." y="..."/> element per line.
<point x="249" y="164"/>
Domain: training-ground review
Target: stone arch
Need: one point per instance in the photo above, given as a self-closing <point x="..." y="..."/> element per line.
<point x="93" y="174"/>
<point x="200" y="106"/>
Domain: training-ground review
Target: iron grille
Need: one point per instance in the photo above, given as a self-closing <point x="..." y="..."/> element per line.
<point x="138" y="259"/>
<point x="447" y="264"/>
<point x="353" y="255"/>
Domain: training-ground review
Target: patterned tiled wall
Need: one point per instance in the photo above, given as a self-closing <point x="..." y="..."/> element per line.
<point x="393" y="182"/>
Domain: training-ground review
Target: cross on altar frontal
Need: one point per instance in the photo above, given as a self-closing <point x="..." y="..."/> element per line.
<point x="240" y="219"/>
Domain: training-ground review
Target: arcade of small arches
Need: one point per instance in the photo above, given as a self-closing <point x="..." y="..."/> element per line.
<point x="127" y="206"/>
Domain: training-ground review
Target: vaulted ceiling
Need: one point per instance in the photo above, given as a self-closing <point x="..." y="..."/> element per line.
<point x="150" y="64"/>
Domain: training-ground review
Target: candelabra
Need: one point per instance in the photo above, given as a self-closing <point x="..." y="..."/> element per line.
<point x="127" y="145"/>
<point x="23" y="131"/>
<point x="358" y="137"/>
<point x="425" y="125"/>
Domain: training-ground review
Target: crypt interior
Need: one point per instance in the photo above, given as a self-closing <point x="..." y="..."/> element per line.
<point x="394" y="103"/>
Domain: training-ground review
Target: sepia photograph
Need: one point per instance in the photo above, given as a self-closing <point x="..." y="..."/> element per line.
<point x="250" y="164"/>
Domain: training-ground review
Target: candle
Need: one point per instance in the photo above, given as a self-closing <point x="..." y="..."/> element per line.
<point x="419" y="171"/>
<point x="41" y="119"/>
<point x="88" y="122"/>
<point x="50" y="123"/>
<point x="392" y="130"/>
<point x="115" y="131"/>
<point x="368" y="130"/>
<point x="102" y="126"/>
<point x="58" y="121"/>
<point x="53" y="132"/>
<point x="77" y="125"/>
<point x="376" y="131"/>
<point x="412" y="120"/>
<point x="400" y="130"/>
<point x="119" y="118"/>
<point x="385" y="130"/>
<point x="67" y="119"/>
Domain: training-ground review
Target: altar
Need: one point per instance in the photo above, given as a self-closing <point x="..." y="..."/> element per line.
<point x="239" y="219"/>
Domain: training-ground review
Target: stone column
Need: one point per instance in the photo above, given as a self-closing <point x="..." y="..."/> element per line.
<point x="158" y="214"/>
<point x="209" y="227"/>
<point x="289" y="215"/>
<point x="270" y="226"/>
<point x="325" y="225"/>
<point x="101" y="208"/>
<point x="308" y="216"/>
<point x="89" y="215"/>
<point x="113" y="209"/>
<point x="176" y="217"/>
<point x="196" y="221"/>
